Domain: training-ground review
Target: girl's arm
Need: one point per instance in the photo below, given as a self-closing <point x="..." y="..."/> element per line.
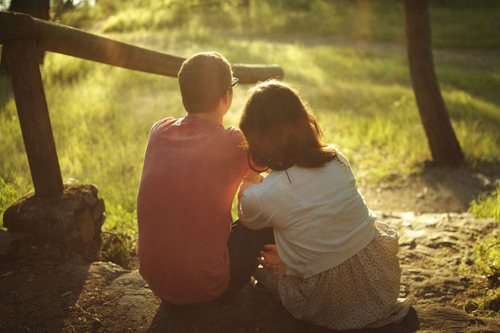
<point x="249" y="209"/>
<point x="250" y="178"/>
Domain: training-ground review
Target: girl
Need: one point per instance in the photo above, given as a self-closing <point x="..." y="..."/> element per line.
<point x="333" y="264"/>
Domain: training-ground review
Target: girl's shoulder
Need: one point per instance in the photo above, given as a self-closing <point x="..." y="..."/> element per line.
<point x="341" y="157"/>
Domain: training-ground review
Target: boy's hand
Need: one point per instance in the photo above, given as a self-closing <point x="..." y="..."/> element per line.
<point x="270" y="257"/>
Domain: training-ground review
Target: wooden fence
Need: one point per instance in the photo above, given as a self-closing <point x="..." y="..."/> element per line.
<point x="23" y="35"/>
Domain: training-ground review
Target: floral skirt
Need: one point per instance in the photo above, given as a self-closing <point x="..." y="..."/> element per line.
<point x="361" y="292"/>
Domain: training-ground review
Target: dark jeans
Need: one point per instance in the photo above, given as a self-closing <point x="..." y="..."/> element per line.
<point x="244" y="246"/>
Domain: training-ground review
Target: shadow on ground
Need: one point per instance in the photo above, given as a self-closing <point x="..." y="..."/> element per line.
<point x="252" y="310"/>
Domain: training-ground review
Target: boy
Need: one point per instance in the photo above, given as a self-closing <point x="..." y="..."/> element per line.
<point x="192" y="169"/>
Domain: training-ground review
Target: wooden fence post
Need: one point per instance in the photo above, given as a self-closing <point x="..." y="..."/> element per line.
<point x="22" y="62"/>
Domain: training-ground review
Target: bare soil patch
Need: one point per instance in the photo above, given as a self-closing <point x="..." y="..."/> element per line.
<point x="433" y="191"/>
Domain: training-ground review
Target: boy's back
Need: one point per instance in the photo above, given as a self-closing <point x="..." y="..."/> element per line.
<point x="192" y="169"/>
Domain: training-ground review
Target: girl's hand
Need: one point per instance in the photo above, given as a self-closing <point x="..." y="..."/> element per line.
<point x="270" y="257"/>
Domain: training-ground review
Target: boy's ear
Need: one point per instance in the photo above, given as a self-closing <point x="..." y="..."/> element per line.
<point x="228" y="97"/>
<point x="226" y="101"/>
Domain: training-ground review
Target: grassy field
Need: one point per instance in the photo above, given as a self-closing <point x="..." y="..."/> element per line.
<point x="362" y="95"/>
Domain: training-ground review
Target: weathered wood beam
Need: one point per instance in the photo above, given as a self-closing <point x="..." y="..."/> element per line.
<point x="22" y="61"/>
<point x="77" y="43"/>
<point x="16" y="26"/>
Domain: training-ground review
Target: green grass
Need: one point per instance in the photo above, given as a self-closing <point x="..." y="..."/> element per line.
<point x="485" y="302"/>
<point x="455" y="24"/>
<point x="487" y="258"/>
<point x="487" y="206"/>
<point x="363" y="99"/>
<point x="465" y="24"/>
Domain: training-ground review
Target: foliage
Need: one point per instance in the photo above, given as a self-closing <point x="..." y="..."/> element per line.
<point x="488" y="205"/>
<point x="122" y="219"/>
<point x="117" y="248"/>
<point x="476" y="17"/>
<point x="84" y="14"/>
<point x="456" y="24"/>
<point x="486" y="301"/>
<point x="9" y="193"/>
<point x="487" y="257"/>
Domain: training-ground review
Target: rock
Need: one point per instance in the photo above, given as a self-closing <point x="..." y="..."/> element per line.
<point x="73" y="219"/>
<point x="84" y="223"/>
<point x="136" y="298"/>
<point x="98" y="210"/>
<point x="5" y="241"/>
<point x="106" y="270"/>
<point x="482" y="180"/>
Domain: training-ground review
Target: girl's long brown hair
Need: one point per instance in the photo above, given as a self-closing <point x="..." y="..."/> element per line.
<point x="281" y="130"/>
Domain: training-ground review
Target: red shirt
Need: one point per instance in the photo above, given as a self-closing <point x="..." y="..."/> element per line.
<point x="192" y="170"/>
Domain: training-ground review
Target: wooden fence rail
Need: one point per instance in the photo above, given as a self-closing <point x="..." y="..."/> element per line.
<point x="77" y="43"/>
<point x="22" y="35"/>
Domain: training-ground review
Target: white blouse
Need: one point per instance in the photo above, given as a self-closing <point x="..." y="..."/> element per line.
<point x="319" y="217"/>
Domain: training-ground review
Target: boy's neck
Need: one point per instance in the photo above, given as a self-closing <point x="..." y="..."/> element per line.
<point x="214" y="116"/>
<point x="219" y="112"/>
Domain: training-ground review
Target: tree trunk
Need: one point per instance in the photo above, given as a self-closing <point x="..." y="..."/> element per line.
<point x="442" y="140"/>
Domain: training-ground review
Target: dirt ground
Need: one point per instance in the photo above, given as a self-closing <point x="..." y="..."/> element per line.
<point x="434" y="191"/>
<point x="41" y="293"/>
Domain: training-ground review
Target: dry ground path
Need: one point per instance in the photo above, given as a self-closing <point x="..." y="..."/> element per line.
<point x="47" y="294"/>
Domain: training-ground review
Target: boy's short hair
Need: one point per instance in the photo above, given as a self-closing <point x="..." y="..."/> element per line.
<point x="203" y="80"/>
